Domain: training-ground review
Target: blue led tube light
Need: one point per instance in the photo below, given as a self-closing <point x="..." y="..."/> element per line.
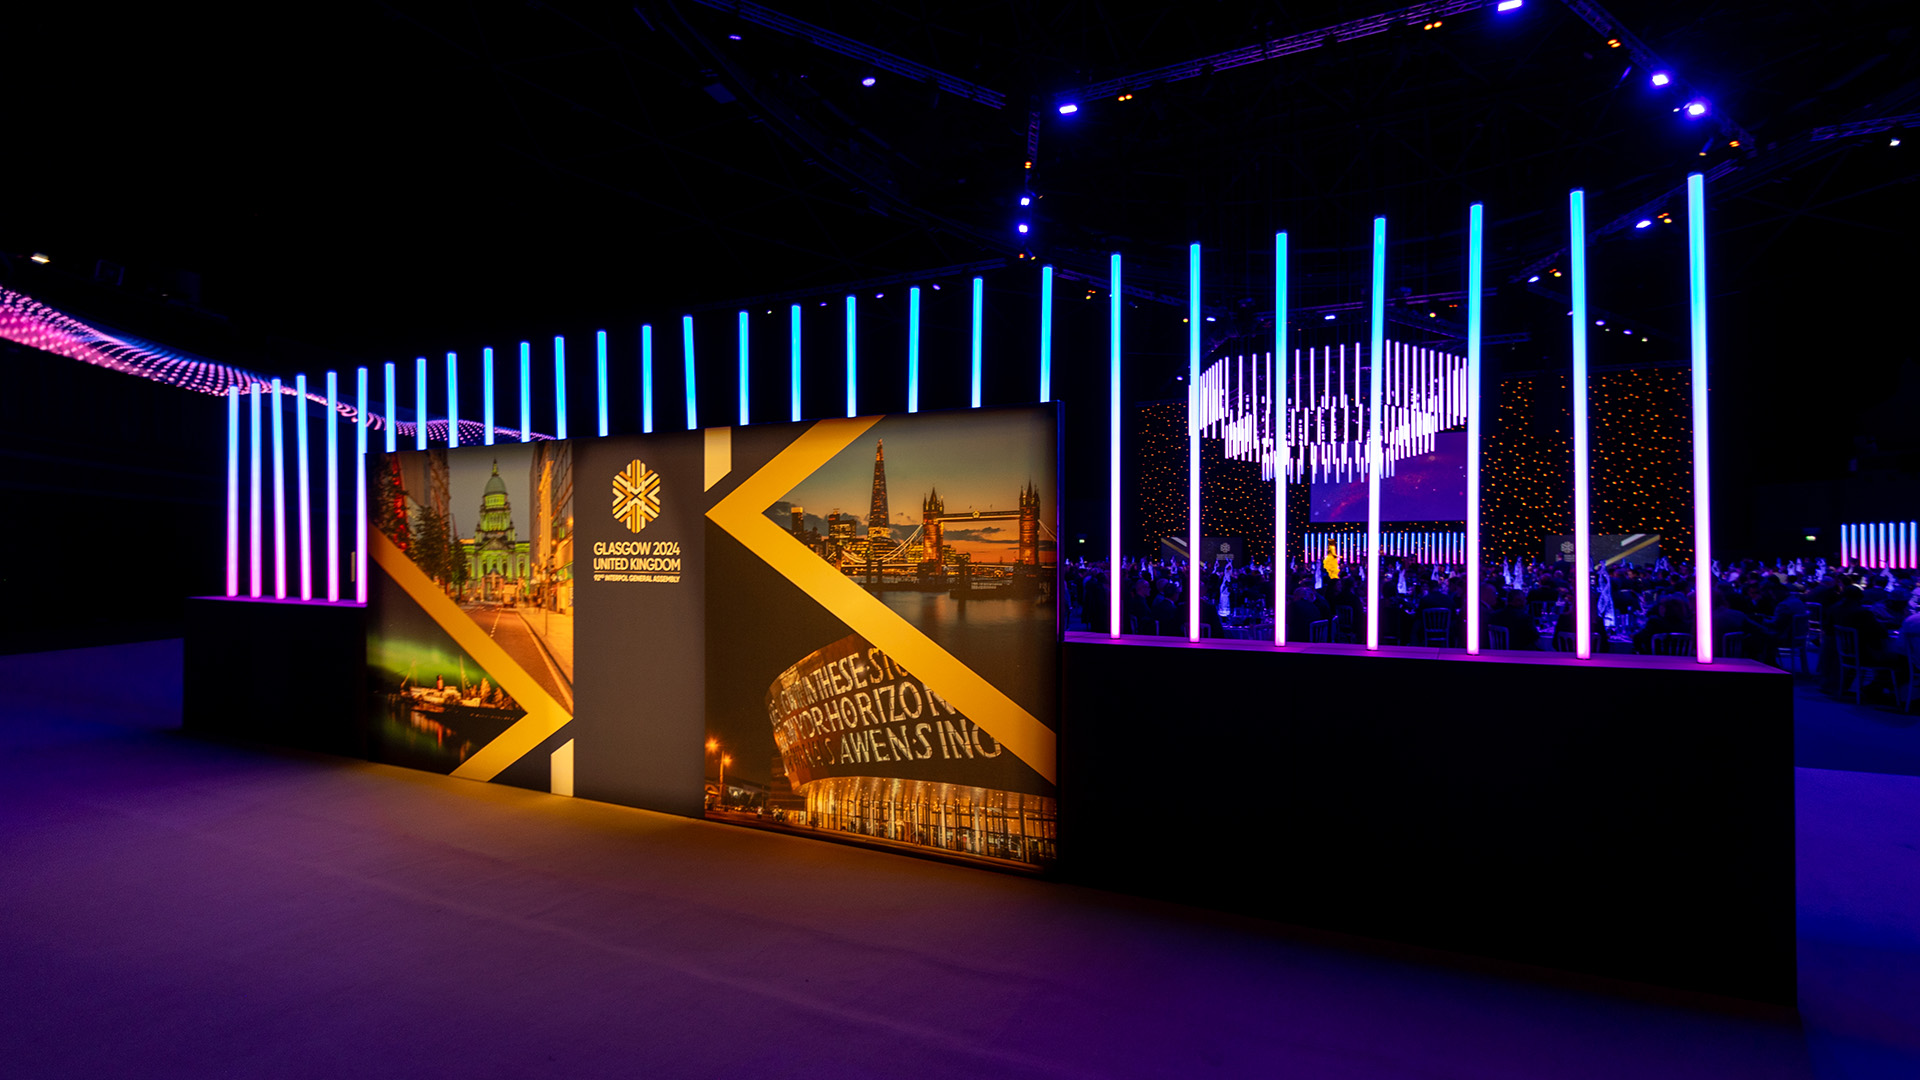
<point x="646" y="378"/>
<point x="1702" y="488"/>
<point x="333" y="484"/>
<point x="1046" y="333"/>
<point x="253" y="503"/>
<point x="360" y="490"/>
<point x="393" y="426"/>
<point x="743" y="369"/>
<point x="1582" y="553"/>
<point x="453" y="400"/>
<point x="486" y="392"/>
<point x="794" y="345"/>
<point x="1277" y="426"/>
<point x="1193" y="442"/>
<point x="979" y="300"/>
<point x="686" y="345"/>
<point x="1475" y="252"/>
<point x="1376" y="369"/>
<point x="526" y="391"/>
<point x="279" y="498"/>
<point x="559" y="387"/>
<point x="420" y="403"/>
<point x="913" y="349"/>
<point x="303" y="486"/>
<point x="853" y="403"/>
<point x="600" y="376"/>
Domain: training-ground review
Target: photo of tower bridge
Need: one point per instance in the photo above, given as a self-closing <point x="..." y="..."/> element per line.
<point x="982" y="529"/>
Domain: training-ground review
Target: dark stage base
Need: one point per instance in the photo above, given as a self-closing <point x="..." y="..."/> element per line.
<point x="284" y="672"/>
<point x="1630" y="817"/>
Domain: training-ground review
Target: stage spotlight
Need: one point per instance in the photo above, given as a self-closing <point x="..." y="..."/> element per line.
<point x="1661" y="78"/>
<point x="1533" y="279"/>
<point x="1599" y="322"/>
<point x="879" y="296"/>
<point x="1210" y="318"/>
<point x="43" y="260"/>
<point x="1026" y="200"/>
<point x="1122" y="97"/>
<point x="733" y="37"/>
<point x="1555" y="271"/>
<point x="1613" y="43"/>
<point x="1069" y="109"/>
<point x="1023" y="226"/>
<point x="1643" y="223"/>
<point x="1697" y="107"/>
<point x="1329" y="318"/>
<point x="1895" y="141"/>
<point x="1507" y="5"/>
<point x="936" y="286"/>
<point x="868" y="81"/>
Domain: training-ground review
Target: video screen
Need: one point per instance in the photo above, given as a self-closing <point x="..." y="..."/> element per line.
<point x="1426" y="487"/>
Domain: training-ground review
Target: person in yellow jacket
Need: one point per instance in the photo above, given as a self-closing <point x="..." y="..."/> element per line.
<point x="1331" y="563"/>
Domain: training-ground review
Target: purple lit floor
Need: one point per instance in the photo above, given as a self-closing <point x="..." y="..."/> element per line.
<point x="177" y="907"/>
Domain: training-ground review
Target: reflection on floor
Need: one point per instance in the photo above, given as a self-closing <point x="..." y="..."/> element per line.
<point x="175" y="907"/>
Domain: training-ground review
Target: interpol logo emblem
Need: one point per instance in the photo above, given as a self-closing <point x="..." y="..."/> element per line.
<point x="636" y="496"/>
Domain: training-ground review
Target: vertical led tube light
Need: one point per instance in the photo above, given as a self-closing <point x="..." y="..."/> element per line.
<point x="1582" y="553"/>
<point x="913" y="349"/>
<point x="526" y="391"/>
<point x="453" y="401"/>
<point x="646" y="378"/>
<point x="1702" y="490"/>
<point x="1193" y="442"/>
<point x="420" y="403"/>
<point x="1277" y="426"/>
<point x="853" y="381"/>
<point x="1376" y="364"/>
<point x="486" y="393"/>
<point x="279" y="499"/>
<point x="1475" y="252"/>
<point x="253" y="503"/>
<point x="600" y="377"/>
<point x="1046" y="333"/>
<point x="233" y="491"/>
<point x="979" y="303"/>
<point x="793" y="335"/>
<point x="1114" y="581"/>
<point x="333" y="484"/>
<point x="360" y="491"/>
<point x="743" y="370"/>
<point x="393" y="427"/>
<point x="559" y="387"/>
<point x="686" y="346"/>
<point x="303" y="486"/>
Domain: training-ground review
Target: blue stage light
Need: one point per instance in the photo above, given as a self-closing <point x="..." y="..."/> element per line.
<point x="419" y="403"/>
<point x="1193" y="442"/>
<point x="1025" y="200"/>
<point x="453" y="400"/>
<point x="486" y="392"/>
<point x="646" y="378"/>
<point x="868" y="81"/>
<point x="393" y="429"/>
<point x="302" y="501"/>
<point x="1022" y="226"/>
<point x="1376" y="416"/>
<point x="1069" y="109"/>
<point x="1582" y="475"/>
<point x="794" y="335"/>
<point x="1661" y="78"/>
<point x="600" y="376"/>
<point x="333" y="481"/>
<point x="853" y="382"/>
<point x="1508" y="5"/>
<point x="913" y="350"/>
<point x="979" y="301"/>
<point x="1643" y="223"/>
<point x="1113" y="445"/>
<point x="279" y="499"/>
<point x="526" y="391"/>
<point x="1046" y="333"/>
<point x="744" y="381"/>
<point x="1697" y="107"/>
<point x="1329" y="318"/>
<point x="559" y="387"/>
<point x="686" y="344"/>
<point x="360" y="482"/>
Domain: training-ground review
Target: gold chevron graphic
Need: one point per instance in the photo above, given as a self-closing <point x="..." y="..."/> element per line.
<point x="742" y="515"/>
<point x="544" y="715"/>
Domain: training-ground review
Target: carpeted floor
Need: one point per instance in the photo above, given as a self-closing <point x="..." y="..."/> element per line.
<point x="177" y="907"/>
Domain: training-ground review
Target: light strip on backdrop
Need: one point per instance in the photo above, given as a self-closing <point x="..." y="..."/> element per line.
<point x="1475" y="252"/>
<point x="393" y="428"/>
<point x="646" y="378"/>
<point x="686" y="345"/>
<point x="233" y="491"/>
<point x="559" y="387"/>
<point x="304" y="498"/>
<point x="1193" y="443"/>
<point x="486" y="394"/>
<point x="793" y="332"/>
<point x="600" y="376"/>
<point x="1113" y="447"/>
<point x="360" y="491"/>
<point x="333" y="484"/>
<point x="1376" y="343"/>
<point x="453" y="400"/>
<point x="1277" y="432"/>
<point x="253" y="483"/>
<point x="913" y="349"/>
<point x="853" y="384"/>
<point x="1046" y="333"/>
<point x="743" y="370"/>
<point x="1582" y="554"/>
<point x="979" y="302"/>
<point x="420" y="403"/>
<point x="526" y="391"/>
<point x="1702" y="491"/>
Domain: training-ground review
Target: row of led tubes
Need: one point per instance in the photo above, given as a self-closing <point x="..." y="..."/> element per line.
<point x="1881" y="545"/>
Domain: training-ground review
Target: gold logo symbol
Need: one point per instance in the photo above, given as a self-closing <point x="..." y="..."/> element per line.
<point x="636" y="496"/>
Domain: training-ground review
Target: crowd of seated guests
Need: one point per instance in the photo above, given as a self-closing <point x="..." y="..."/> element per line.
<point x="1770" y="606"/>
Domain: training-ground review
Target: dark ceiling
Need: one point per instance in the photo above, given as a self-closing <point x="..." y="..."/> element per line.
<point x="371" y="179"/>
